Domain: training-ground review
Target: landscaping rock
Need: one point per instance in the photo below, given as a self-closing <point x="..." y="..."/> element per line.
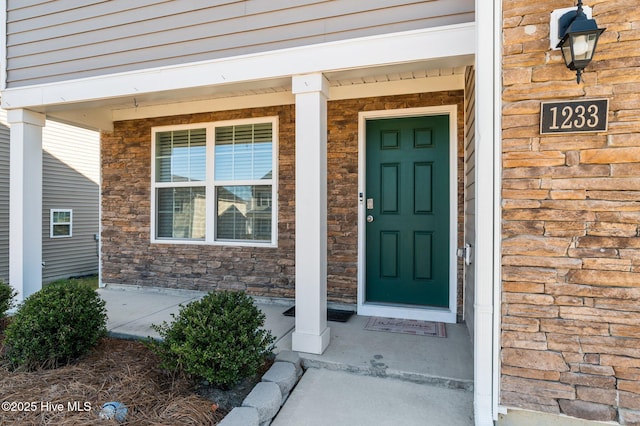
<point x="266" y="398"/>
<point x="230" y="398"/>
<point x="293" y="358"/>
<point x="284" y="375"/>
<point x="241" y="416"/>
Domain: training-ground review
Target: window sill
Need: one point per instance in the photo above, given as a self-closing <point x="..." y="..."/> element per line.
<point x="216" y="243"/>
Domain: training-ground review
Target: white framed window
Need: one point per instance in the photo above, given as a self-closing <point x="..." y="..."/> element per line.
<point x="215" y="183"/>
<point x="60" y="223"/>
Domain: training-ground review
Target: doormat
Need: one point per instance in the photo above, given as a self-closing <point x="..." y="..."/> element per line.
<point x="420" y="328"/>
<point x="335" y="315"/>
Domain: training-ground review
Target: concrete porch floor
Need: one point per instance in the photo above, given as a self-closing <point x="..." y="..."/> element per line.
<point x="437" y="372"/>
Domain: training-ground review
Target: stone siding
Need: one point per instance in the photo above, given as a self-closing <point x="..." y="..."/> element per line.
<point x="128" y="257"/>
<point x="571" y="209"/>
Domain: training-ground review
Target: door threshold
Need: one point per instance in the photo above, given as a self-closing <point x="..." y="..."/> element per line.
<point x="426" y="313"/>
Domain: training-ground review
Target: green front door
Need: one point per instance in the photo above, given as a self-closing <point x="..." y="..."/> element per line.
<point x="407" y="211"/>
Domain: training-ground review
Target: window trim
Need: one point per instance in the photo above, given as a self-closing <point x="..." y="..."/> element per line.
<point x="210" y="184"/>
<point x="52" y="223"/>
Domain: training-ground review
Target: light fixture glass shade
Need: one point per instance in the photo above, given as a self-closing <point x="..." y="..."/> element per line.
<point x="565" y="46"/>
<point x="578" y="48"/>
<point x="583" y="46"/>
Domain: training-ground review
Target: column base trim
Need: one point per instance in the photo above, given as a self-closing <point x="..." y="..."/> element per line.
<point x="311" y="343"/>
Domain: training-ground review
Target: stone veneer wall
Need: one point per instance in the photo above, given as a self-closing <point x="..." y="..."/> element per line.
<point x="128" y="257"/>
<point x="571" y="209"/>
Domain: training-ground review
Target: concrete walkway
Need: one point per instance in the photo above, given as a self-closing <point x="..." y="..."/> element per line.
<point x="325" y="397"/>
<point x="132" y="310"/>
<point x="363" y="378"/>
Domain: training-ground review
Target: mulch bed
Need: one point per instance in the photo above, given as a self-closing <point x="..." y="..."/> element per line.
<point x="116" y="370"/>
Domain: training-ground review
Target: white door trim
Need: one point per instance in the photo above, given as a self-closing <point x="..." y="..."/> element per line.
<point x="426" y="314"/>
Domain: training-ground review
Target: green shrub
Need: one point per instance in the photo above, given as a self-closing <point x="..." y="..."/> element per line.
<point x="217" y="338"/>
<point x="7" y="293"/>
<point x="54" y="326"/>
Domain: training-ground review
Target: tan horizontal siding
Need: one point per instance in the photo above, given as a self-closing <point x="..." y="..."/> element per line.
<point x="70" y="181"/>
<point x="45" y="43"/>
<point x="70" y="162"/>
<point x="469" y="194"/>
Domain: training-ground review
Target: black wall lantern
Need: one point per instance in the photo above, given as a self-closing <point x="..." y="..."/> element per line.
<point x="579" y="37"/>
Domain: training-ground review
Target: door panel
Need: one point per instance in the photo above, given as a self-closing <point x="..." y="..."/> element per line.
<point x="422" y="178"/>
<point x="407" y="184"/>
<point x="389" y="189"/>
<point x="422" y="255"/>
<point x="389" y="255"/>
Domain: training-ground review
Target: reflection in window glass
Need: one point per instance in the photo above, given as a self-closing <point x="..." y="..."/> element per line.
<point x="244" y="152"/>
<point x="60" y="223"/>
<point x="222" y="170"/>
<point x="181" y="156"/>
<point x="181" y="213"/>
<point x="244" y="213"/>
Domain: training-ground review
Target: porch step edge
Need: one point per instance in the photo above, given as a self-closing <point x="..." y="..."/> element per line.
<point x="420" y="378"/>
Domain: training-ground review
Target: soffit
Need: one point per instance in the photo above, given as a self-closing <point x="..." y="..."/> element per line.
<point x="353" y="78"/>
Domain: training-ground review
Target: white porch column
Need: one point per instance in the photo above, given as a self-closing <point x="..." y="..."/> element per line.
<point x="311" y="334"/>
<point x="25" y="201"/>
<point x="486" y="387"/>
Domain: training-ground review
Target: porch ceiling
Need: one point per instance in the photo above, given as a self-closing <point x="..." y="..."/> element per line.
<point x="92" y="113"/>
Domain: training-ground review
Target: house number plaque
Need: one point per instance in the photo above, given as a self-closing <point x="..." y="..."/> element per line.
<point x="574" y="116"/>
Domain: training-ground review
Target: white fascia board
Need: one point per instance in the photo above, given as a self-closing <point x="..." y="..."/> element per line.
<point x="395" y="48"/>
<point x="206" y="105"/>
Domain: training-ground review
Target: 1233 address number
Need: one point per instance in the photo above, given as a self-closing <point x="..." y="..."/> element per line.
<point x="574" y="116"/>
